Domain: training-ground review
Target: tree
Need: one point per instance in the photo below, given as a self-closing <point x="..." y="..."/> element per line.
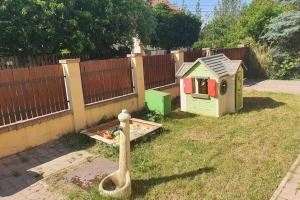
<point x="33" y="27"/>
<point x="252" y="22"/>
<point x="225" y="14"/>
<point x="198" y="9"/>
<point x="284" y="31"/>
<point x="183" y="5"/>
<point x="174" y="28"/>
<point x="283" y="37"/>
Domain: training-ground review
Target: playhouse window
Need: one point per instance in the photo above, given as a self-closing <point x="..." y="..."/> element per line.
<point x="202" y="86"/>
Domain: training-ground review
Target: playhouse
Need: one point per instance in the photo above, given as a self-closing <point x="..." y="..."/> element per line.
<point x="211" y="86"/>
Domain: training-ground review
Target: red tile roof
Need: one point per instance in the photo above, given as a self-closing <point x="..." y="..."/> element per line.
<point x="167" y="2"/>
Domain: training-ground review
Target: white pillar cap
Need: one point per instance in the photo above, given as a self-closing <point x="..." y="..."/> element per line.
<point x="124" y="116"/>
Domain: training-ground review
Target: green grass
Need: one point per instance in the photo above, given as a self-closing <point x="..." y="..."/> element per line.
<point x="238" y="156"/>
<point x="16" y="174"/>
<point x="24" y="159"/>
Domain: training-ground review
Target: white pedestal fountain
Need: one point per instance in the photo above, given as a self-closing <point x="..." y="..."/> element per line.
<point x="118" y="184"/>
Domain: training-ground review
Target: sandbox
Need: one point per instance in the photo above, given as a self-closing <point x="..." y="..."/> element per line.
<point x="138" y="129"/>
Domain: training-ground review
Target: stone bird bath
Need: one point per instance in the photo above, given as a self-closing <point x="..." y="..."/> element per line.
<point x="118" y="184"/>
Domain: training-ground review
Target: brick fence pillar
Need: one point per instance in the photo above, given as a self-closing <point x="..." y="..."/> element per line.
<point x="138" y="77"/>
<point x="179" y="59"/>
<point x="71" y="69"/>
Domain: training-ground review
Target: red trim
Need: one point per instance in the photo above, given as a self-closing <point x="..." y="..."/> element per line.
<point x="212" y="87"/>
<point x="188" y="85"/>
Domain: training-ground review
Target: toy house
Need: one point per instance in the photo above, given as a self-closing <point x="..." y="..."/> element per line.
<point x="211" y="86"/>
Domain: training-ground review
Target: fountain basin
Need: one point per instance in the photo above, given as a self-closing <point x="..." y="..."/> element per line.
<point x="114" y="186"/>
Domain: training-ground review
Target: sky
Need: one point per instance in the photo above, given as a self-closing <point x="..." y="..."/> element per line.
<point x="207" y="6"/>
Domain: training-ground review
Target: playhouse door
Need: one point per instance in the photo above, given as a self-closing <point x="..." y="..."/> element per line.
<point x="239" y="90"/>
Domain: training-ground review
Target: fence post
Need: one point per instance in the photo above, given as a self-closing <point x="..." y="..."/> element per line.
<point x="138" y="77"/>
<point x="179" y="58"/>
<point x="208" y="51"/>
<point x="71" y="69"/>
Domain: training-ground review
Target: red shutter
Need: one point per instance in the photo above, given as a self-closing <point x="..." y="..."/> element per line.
<point x="212" y="88"/>
<point x="188" y="85"/>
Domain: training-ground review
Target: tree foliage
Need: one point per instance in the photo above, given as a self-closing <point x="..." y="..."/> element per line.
<point x="274" y="24"/>
<point x="251" y="22"/>
<point x="32" y="27"/>
<point x="225" y="14"/>
<point x="284" y="37"/>
<point x="284" y="31"/>
<point x="174" y="28"/>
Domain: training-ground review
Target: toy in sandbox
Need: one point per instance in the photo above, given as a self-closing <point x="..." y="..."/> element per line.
<point x="211" y="86"/>
<point x="109" y="132"/>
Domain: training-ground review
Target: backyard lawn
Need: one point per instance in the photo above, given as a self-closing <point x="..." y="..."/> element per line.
<point x="238" y="156"/>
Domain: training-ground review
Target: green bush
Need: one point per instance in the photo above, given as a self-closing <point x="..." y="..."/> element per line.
<point x="285" y="67"/>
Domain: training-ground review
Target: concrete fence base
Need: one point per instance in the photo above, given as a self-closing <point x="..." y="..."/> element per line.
<point x="22" y="135"/>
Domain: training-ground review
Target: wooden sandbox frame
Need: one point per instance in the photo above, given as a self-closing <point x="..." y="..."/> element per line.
<point x="151" y="128"/>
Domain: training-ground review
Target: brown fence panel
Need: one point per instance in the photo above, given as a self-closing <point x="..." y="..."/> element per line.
<point x="191" y="56"/>
<point x="159" y="70"/>
<point x="106" y="79"/>
<point x="17" y="62"/>
<point x="27" y="93"/>
<point x="235" y="53"/>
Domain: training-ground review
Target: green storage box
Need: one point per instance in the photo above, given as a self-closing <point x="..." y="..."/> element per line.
<point x="158" y="101"/>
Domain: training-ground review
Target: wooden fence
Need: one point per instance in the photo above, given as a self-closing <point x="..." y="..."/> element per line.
<point x="105" y="79"/>
<point x="18" y="62"/>
<point x="31" y="92"/>
<point x="235" y="53"/>
<point x="159" y="70"/>
<point x="191" y="56"/>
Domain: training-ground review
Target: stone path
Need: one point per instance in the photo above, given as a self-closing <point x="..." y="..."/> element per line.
<point x="282" y="86"/>
<point x="22" y="175"/>
<point x="289" y="188"/>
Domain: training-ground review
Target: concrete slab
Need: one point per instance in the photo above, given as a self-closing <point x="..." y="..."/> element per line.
<point x="288" y="188"/>
<point x="22" y="175"/>
<point x="88" y="175"/>
<point x="280" y="86"/>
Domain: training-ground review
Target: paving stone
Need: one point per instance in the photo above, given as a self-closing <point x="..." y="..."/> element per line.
<point x="290" y="190"/>
<point x="287" y="190"/>
<point x="44" y="159"/>
<point x="292" y="87"/>
<point x="93" y="173"/>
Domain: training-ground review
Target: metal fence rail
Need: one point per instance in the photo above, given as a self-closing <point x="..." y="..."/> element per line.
<point x="191" y="56"/>
<point x="106" y="79"/>
<point x="26" y="93"/>
<point x="20" y="62"/>
<point x="159" y="70"/>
